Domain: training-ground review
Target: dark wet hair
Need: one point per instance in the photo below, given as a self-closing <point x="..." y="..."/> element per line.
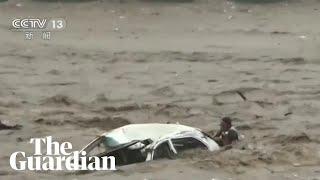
<point x="227" y="120"/>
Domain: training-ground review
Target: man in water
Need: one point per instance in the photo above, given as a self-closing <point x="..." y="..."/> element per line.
<point x="227" y="134"/>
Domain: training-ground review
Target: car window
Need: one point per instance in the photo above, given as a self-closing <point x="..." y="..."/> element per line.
<point x="125" y="155"/>
<point x="110" y="142"/>
<point x="163" y="151"/>
<point x="96" y="147"/>
<point x="181" y="144"/>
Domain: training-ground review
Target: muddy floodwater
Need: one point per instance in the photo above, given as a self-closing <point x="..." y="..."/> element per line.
<point x="192" y="62"/>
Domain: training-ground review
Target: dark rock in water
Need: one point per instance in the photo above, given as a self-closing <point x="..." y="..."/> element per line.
<point x="14" y="127"/>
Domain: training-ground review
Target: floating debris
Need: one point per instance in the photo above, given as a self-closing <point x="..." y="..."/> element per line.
<point x="13" y="127"/>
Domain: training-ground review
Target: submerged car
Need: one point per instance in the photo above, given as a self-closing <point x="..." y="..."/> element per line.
<point x="144" y="142"/>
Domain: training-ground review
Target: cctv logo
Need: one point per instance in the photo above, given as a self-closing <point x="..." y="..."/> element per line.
<point x="31" y="23"/>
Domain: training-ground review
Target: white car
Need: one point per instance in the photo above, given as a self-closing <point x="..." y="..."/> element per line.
<point x="144" y="142"/>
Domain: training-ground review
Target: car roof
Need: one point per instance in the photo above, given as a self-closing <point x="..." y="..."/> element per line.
<point x="153" y="131"/>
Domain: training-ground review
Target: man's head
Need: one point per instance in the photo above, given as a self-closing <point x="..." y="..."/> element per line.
<point x="226" y="123"/>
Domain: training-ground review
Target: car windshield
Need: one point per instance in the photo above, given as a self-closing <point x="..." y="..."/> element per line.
<point x="100" y="145"/>
<point x="109" y="142"/>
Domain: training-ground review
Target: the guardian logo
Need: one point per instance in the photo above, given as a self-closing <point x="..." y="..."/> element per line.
<point x="57" y="157"/>
<point x="29" y="23"/>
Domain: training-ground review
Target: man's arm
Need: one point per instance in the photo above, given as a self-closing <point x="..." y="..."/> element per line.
<point x="218" y="134"/>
